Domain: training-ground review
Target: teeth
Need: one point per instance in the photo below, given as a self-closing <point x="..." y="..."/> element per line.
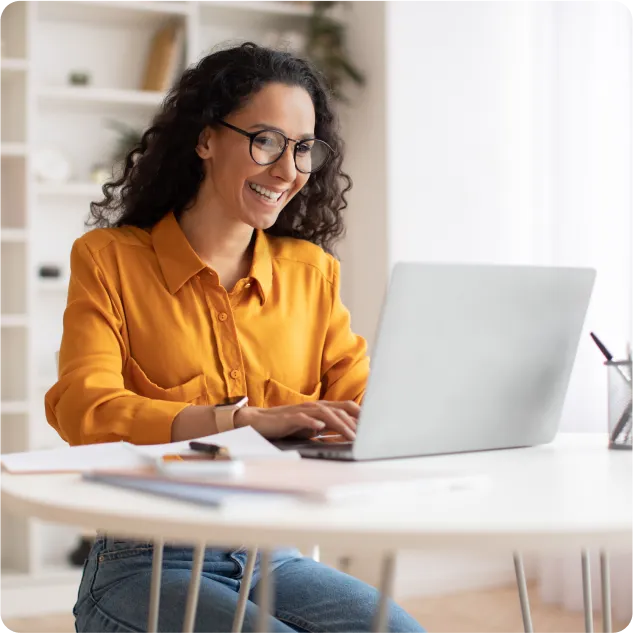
<point x="271" y="195"/>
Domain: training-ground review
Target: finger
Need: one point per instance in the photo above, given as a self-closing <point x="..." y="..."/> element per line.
<point x="349" y="406"/>
<point x="330" y="417"/>
<point x="345" y="417"/>
<point x="305" y="424"/>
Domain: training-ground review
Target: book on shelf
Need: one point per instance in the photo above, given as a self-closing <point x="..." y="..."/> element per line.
<point x="165" y="57"/>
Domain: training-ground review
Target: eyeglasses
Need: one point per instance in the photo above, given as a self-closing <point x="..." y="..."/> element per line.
<point x="268" y="146"/>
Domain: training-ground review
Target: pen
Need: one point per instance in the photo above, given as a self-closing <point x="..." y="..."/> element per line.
<point x="605" y="352"/>
<point x="608" y="355"/>
<point x="203" y="447"/>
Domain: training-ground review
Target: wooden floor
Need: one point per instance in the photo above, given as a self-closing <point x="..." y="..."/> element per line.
<point x="490" y="611"/>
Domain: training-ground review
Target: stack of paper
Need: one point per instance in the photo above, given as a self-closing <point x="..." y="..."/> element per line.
<point x="244" y="443"/>
<point x="314" y="480"/>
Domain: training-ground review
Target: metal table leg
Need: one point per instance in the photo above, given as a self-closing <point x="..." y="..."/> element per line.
<point x="605" y="582"/>
<point x="194" y="589"/>
<point x="245" y="588"/>
<point x="586" y="591"/>
<point x="264" y="592"/>
<point x="154" y="591"/>
<point x="523" y="593"/>
<point x="386" y="589"/>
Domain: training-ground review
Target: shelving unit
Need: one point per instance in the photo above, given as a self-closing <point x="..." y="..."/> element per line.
<point x="42" y="43"/>
<point x="100" y="96"/>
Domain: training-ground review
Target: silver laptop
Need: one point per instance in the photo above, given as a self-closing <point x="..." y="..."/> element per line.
<point x="467" y="358"/>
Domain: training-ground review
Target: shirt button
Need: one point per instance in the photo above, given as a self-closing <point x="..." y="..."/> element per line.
<point x="222" y="316"/>
<point x="235" y="373"/>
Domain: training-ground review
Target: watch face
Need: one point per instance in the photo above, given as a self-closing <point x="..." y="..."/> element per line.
<point x="230" y="402"/>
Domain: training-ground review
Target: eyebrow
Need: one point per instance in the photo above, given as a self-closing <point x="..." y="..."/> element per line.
<point x="269" y="126"/>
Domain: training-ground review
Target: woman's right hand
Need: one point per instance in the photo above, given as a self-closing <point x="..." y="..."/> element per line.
<point x="301" y="420"/>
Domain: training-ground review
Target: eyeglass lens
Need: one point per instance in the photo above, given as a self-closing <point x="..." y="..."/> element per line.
<point x="268" y="146"/>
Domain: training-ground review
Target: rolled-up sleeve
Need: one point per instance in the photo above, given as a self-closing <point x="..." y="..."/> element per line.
<point x="345" y="363"/>
<point x="89" y="403"/>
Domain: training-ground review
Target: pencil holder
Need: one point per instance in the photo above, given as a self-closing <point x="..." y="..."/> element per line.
<point x="619" y="405"/>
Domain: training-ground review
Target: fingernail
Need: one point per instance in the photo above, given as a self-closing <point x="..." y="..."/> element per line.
<point x="321" y="425"/>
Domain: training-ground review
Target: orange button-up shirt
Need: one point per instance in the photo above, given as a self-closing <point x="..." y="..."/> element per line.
<point x="149" y="330"/>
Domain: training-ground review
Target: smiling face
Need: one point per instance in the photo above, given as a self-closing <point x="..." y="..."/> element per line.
<point x="245" y="191"/>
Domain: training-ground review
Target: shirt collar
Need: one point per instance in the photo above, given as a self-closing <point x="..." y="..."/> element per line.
<point x="179" y="262"/>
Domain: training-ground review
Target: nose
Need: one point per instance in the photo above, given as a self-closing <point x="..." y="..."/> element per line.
<point x="285" y="167"/>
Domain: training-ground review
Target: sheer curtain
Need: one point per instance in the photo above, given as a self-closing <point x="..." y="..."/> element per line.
<point x="580" y="70"/>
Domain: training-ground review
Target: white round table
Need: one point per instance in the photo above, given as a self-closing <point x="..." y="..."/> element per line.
<point x="572" y="494"/>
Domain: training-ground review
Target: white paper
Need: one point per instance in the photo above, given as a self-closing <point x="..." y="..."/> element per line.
<point x="244" y="443"/>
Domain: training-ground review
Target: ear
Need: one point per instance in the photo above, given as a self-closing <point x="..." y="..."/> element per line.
<point x="204" y="146"/>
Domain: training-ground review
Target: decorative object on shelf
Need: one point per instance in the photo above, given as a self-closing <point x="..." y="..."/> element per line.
<point x="165" y="58"/>
<point x="326" y="48"/>
<point x="49" y="271"/>
<point x="128" y="138"/>
<point x="78" y="556"/>
<point x="79" y="78"/>
<point x="50" y="165"/>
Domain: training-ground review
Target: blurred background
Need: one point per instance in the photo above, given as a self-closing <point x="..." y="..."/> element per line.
<point x="495" y="132"/>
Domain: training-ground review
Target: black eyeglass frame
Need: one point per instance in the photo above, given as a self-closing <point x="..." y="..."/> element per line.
<point x="251" y="137"/>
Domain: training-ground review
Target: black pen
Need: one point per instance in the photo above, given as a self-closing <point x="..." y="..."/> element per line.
<point x="605" y="352"/>
<point x="608" y="355"/>
<point x="203" y="447"/>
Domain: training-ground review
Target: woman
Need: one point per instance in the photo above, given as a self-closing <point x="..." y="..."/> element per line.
<point x="209" y="279"/>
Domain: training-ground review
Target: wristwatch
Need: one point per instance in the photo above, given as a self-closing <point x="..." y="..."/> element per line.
<point x="225" y="410"/>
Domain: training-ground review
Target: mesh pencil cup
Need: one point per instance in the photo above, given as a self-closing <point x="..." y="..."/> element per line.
<point x="619" y="404"/>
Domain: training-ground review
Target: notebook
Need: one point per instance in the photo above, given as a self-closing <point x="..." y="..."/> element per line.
<point x="304" y="479"/>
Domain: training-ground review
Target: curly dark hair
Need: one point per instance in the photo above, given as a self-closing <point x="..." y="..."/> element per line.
<point x="163" y="172"/>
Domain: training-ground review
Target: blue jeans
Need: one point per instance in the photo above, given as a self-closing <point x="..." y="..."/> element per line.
<point x="308" y="596"/>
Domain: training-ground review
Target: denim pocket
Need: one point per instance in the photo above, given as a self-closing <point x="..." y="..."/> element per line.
<point x="117" y="562"/>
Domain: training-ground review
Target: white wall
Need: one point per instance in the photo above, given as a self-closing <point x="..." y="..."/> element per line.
<point x="590" y="219"/>
<point x="508" y="136"/>
<point x="456" y="119"/>
<point x="364" y="273"/>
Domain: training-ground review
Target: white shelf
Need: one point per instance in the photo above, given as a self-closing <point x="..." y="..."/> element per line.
<point x="14" y="406"/>
<point x="14" y="65"/>
<point x="76" y="188"/>
<point x="13" y="235"/>
<point x="272" y="7"/>
<point x="108" y="11"/>
<point x="48" y="574"/>
<point x="13" y="149"/>
<point x="61" y="573"/>
<point x="106" y="96"/>
<point x="14" y="320"/>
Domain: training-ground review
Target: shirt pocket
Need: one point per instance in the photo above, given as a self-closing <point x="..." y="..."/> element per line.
<point x="277" y="395"/>
<point x="193" y="391"/>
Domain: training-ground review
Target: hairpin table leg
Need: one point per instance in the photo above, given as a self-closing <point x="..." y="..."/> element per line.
<point x="606" y="591"/>
<point x="264" y="592"/>
<point x="194" y="589"/>
<point x="386" y="589"/>
<point x="523" y="593"/>
<point x="245" y="588"/>
<point x="154" y="591"/>
<point x="586" y="591"/>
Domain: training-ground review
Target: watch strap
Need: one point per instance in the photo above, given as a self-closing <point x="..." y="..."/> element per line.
<point x="224" y="418"/>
